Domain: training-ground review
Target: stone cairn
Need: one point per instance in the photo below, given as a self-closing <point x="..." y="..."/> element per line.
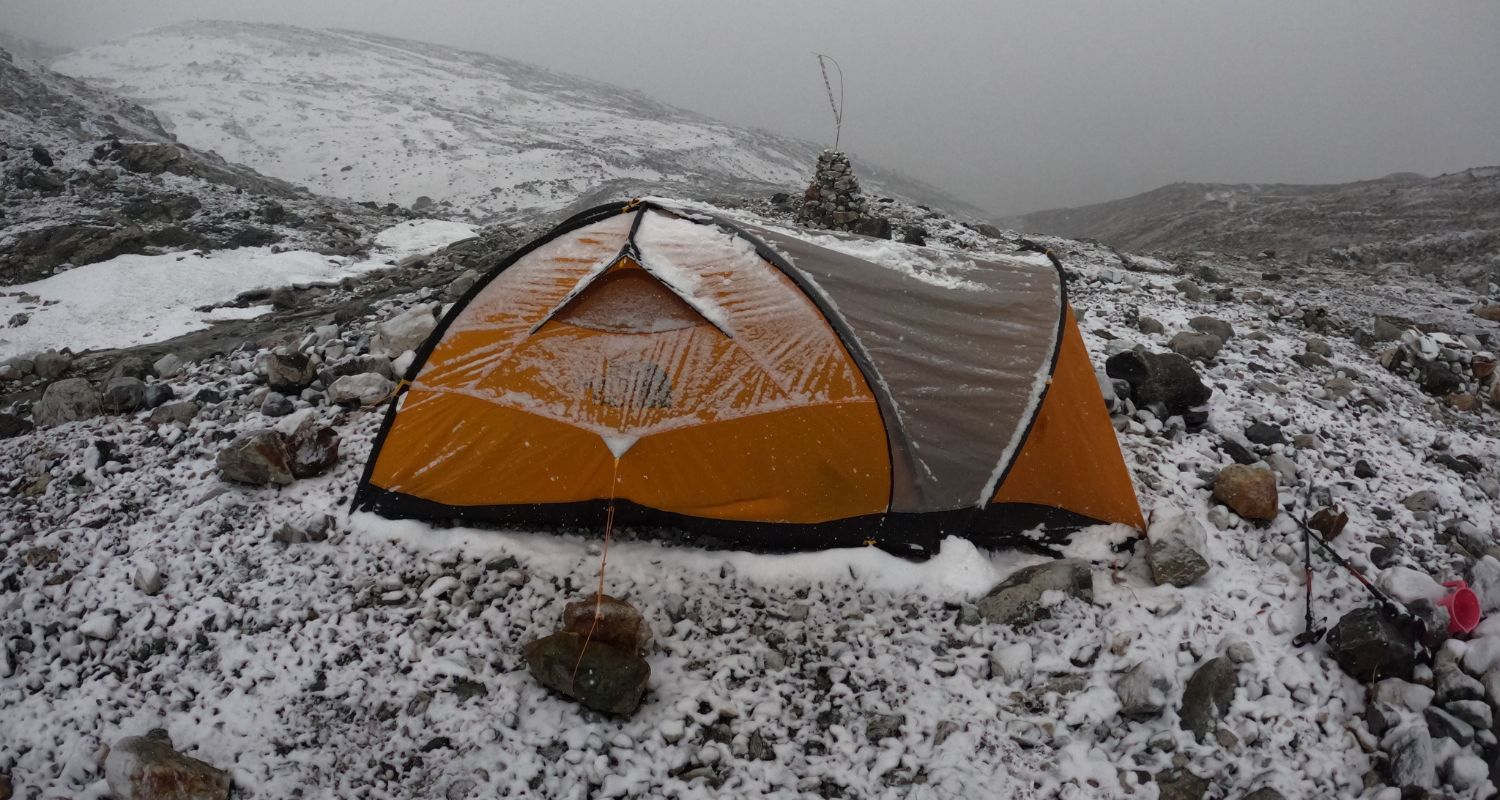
<point x="833" y="200"/>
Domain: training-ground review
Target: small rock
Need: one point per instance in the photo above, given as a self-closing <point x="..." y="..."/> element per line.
<point x="1150" y="325"/>
<point x="608" y="679"/>
<point x="1207" y="696"/>
<point x="1179" y="784"/>
<point x="1264" y="433"/>
<point x="1177" y="548"/>
<point x="1438" y="380"/>
<point x="313" y="448"/>
<point x="1476" y="713"/>
<point x="461" y="285"/>
<point x="175" y="413"/>
<point x="289" y="373"/>
<point x="1210" y="325"/>
<point x="366" y="389"/>
<point x="142" y="768"/>
<point x="760" y="749"/>
<point x="1411" y="762"/>
<point x="619" y="624"/>
<point x="129" y="367"/>
<point x="1398" y="693"/>
<point x="12" y="426"/>
<point x="158" y="394"/>
<point x="1189" y="289"/>
<point x="276" y="404"/>
<point x="257" y="458"/>
<point x="1013" y="663"/>
<point x="51" y="364"/>
<point x="1018" y="600"/>
<point x="1484" y="580"/>
<point x="1369" y="644"/>
<point x="1443" y="725"/>
<point x="65" y="401"/>
<point x="148" y="578"/>
<point x="406" y="331"/>
<point x="1423" y="501"/>
<point x="315" y="530"/>
<point x="1198" y="346"/>
<point x="1453" y="685"/>
<point x="100" y="626"/>
<point x="168" y="366"/>
<point x="1240" y="652"/>
<point x="883" y="726"/>
<point x="1329" y="521"/>
<point x="1248" y="491"/>
<point x="1165" y="378"/>
<point x="1144" y="691"/>
<point x="123" y="395"/>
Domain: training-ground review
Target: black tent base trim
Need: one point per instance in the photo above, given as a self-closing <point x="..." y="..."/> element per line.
<point x="1023" y="526"/>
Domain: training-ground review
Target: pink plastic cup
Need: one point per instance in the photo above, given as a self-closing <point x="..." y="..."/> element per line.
<point x="1463" y="607"/>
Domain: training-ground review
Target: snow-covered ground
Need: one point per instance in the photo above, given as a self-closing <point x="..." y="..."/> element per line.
<point x="131" y="300"/>
<point x="385" y="661"/>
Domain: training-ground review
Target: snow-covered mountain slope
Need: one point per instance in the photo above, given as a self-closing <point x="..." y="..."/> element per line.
<point x="374" y="118"/>
<point x="86" y="176"/>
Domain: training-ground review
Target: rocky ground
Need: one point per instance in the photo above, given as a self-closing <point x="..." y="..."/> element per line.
<point x="176" y="556"/>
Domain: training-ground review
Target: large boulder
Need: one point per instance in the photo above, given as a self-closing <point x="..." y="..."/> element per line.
<point x="147" y="768"/>
<point x="67" y="400"/>
<point x="1207" y="696"/>
<point x="257" y="458"/>
<point x="1176" y="548"/>
<point x="405" y="331"/>
<point x="1370" y="643"/>
<point x="365" y="389"/>
<point x="1164" y="378"/>
<point x="1018" y="600"/>
<point x="600" y="676"/>
<point x="1249" y="491"/>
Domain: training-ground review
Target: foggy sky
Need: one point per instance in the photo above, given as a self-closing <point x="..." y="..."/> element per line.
<point x="1013" y="106"/>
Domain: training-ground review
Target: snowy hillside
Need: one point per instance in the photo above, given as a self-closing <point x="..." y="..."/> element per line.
<point x="369" y="117"/>
<point x="86" y="176"/>
<point x="306" y="651"/>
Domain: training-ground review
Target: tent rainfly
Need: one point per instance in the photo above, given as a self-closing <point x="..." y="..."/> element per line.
<point x="755" y="387"/>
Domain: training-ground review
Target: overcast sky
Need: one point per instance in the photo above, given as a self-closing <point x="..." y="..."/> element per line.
<point x="1012" y="106"/>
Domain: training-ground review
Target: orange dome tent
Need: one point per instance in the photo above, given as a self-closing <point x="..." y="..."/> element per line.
<point x="754" y="386"/>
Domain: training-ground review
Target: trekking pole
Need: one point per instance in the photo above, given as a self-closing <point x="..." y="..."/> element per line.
<point x="1312" y="631"/>
<point x="1396" y="609"/>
